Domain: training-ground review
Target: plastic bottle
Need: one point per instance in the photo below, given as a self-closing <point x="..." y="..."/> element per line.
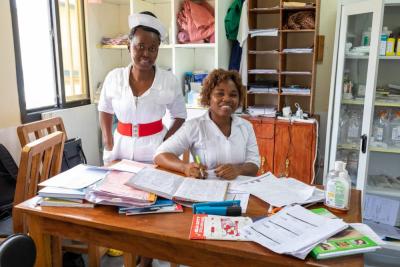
<point x="338" y="188"/>
<point x="395" y="129"/>
<point x="354" y="130"/>
<point x="381" y="128"/>
<point x="384" y="37"/>
<point x="390" y="45"/>
<point x="398" y="46"/>
<point x="366" y="37"/>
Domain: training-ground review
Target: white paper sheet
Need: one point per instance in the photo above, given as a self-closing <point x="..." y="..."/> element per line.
<point x="277" y="192"/>
<point x="294" y="230"/>
<point x="129" y="166"/>
<point x="381" y="209"/>
<point x="201" y="190"/>
<point x="79" y="177"/>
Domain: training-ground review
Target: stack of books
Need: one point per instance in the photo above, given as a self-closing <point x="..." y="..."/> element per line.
<point x="160" y="206"/>
<point x="112" y="191"/>
<point x="63" y="197"/>
<point x="68" y="189"/>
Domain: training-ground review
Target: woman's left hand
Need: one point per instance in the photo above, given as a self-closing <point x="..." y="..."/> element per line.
<point x="227" y="171"/>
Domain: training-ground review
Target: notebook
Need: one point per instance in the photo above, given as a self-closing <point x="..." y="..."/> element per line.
<point x="172" y="186"/>
<point x="347" y="242"/>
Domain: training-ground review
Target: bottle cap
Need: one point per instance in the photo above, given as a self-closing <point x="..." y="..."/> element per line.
<point x="340" y="166"/>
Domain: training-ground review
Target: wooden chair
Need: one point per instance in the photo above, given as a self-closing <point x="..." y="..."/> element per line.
<point x="35" y="130"/>
<point x="40" y="160"/>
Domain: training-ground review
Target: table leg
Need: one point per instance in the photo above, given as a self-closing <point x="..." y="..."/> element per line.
<point x="129" y="259"/>
<point x="42" y="242"/>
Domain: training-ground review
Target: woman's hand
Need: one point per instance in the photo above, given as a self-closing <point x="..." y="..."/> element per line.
<point x="195" y="170"/>
<point x="227" y="171"/>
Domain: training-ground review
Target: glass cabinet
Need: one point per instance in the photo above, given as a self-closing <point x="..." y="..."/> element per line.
<point x="364" y="113"/>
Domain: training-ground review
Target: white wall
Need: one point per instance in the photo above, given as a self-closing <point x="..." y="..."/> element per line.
<point x="9" y="105"/>
<point x="321" y="103"/>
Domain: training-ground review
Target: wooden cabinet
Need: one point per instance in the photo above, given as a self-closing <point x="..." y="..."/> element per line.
<point x="264" y="129"/>
<point x="286" y="149"/>
<point x="295" y="150"/>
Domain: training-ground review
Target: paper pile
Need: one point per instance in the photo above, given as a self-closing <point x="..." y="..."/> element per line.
<point x="278" y="192"/>
<point x="294" y="231"/>
<point x="113" y="191"/>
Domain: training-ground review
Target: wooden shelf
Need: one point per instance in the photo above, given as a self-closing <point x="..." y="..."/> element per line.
<point x="272" y="10"/>
<point x="204" y="45"/>
<point x="298" y="8"/>
<point x="265" y="10"/>
<point x="304" y="73"/>
<point x="264" y="52"/>
<point x="298" y="31"/>
<point x="125" y="46"/>
<point x="268" y="54"/>
<point x="294" y="94"/>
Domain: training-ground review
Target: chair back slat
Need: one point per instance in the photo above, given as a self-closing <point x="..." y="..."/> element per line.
<point x="38" y="129"/>
<point x="40" y="160"/>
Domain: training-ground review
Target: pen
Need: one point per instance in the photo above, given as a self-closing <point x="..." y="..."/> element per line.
<point x="197" y="159"/>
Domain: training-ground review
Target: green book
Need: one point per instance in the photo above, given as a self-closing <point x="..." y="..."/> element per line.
<point x="347" y="242"/>
<point x="324" y="212"/>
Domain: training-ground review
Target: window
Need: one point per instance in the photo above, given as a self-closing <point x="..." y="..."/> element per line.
<point x="50" y="52"/>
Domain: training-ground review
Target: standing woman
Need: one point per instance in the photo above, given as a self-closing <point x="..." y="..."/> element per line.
<point x="139" y="96"/>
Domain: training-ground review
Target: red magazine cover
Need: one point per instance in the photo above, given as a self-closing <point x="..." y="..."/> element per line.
<point x="215" y="227"/>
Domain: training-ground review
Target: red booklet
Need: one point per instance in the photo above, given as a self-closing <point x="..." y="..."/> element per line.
<point x="218" y="227"/>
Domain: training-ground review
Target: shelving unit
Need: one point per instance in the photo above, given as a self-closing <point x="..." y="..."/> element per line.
<point x="266" y="52"/>
<point x="179" y="58"/>
<point x="374" y="158"/>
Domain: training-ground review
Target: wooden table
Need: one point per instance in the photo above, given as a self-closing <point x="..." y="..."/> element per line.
<point x="162" y="236"/>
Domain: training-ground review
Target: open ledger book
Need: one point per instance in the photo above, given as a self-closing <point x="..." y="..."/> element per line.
<point x="172" y="186"/>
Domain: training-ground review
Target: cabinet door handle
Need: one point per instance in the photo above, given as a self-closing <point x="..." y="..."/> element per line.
<point x="364" y="143"/>
<point x="262" y="165"/>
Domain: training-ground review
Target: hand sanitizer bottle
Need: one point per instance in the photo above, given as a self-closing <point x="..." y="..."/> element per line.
<point x="338" y="188"/>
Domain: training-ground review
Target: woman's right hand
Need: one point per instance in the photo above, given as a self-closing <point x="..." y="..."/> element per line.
<point x="195" y="170"/>
<point x="107" y="156"/>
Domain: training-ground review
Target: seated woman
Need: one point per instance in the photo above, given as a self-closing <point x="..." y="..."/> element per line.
<point x="221" y="142"/>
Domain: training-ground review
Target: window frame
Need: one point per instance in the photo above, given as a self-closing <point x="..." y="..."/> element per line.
<point x="61" y="103"/>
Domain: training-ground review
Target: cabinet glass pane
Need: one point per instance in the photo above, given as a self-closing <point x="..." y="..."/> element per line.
<point x="384" y="160"/>
<point x="355" y="72"/>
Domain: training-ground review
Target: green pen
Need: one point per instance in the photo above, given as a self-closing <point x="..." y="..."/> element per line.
<point x="198" y="161"/>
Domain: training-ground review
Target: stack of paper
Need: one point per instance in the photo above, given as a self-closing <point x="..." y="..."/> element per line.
<point x="264" y="111"/>
<point x="294" y="231"/>
<point x="297" y="50"/>
<point x="113" y="191"/>
<point x="263" y="32"/>
<point x="263" y="71"/>
<point x="278" y="192"/>
<point x="129" y="166"/>
<point x="68" y="189"/>
<point x="160" y="206"/>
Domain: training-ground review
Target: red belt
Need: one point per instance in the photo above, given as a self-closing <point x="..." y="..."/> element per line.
<point x="146" y="129"/>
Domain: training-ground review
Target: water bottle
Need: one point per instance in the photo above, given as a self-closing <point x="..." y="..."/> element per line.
<point x="338" y="188"/>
